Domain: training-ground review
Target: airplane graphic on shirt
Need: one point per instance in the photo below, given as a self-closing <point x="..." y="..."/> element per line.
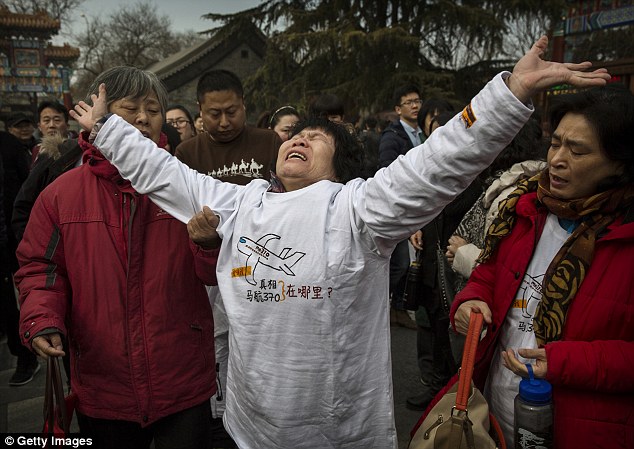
<point x="258" y="254"/>
<point x="529" y="291"/>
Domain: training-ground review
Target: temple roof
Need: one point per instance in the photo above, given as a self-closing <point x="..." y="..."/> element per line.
<point x="65" y="53"/>
<point x="188" y="64"/>
<point x="40" y="21"/>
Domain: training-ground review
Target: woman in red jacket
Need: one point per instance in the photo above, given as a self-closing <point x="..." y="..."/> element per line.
<point x="556" y="283"/>
<point x="106" y="267"/>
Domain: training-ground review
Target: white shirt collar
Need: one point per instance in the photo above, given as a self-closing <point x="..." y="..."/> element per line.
<point x="412" y="133"/>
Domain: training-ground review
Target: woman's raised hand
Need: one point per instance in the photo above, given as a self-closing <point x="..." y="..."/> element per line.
<point x="87" y="115"/>
<point x="532" y="74"/>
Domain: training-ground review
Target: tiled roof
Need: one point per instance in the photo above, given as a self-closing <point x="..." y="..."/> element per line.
<point x="178" y="61"/>
<point x="214" y="48"/>
<point x="65" y="52"/>
<point x="40" y="20"/>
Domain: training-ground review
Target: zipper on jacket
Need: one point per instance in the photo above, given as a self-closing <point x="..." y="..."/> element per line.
<point x="130" y="221"/>
<point x="145" y="410"/>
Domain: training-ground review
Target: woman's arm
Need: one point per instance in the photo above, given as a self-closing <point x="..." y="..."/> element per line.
<point x="477" y="294"/>
<point x="600" y="365"/>
<point x="172" y="185"/>
<point x="405" y="196"/>
<point x="42" y="280"/>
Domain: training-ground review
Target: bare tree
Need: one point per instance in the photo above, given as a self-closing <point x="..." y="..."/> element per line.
<point x="189" y="38"/>
<point x="94" y="54"/>
<point x="135" y="35"/>
<point x="139" y="36"/>
<point x="58" y="9"/>
<point x="523" y="30"/>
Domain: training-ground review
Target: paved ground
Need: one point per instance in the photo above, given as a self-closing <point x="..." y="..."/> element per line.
<point x="21" y="407"/>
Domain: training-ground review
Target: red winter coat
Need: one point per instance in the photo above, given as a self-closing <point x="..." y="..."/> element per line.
<point x="592" y="367"/>
<point x="118" y="276"/>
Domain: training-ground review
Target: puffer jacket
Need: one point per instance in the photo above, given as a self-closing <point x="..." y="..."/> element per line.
<point x="121" y="278"/>
<point x="394" y="143"/>
<point x="590" y="368"/>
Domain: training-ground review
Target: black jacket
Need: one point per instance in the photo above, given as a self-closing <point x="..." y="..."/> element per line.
<point x="445" y="224"/>
<point x="56" y="157"/>
<point x="3" y="223"/>
<point x="15" y="161"/>
<point x="394" y="142"/>
<point x="370" y="140"/>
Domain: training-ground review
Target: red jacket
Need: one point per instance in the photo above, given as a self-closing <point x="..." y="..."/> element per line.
<point x="118" y="276"/>
<point x="592" y="367"/>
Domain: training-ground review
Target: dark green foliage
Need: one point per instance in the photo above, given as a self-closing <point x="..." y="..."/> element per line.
<point x="362" y="49"/>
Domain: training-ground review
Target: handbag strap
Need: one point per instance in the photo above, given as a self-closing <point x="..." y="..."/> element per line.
<point x="49" y="405"/>
<point x="468" y="360"/>
<point x="54" y="396"/>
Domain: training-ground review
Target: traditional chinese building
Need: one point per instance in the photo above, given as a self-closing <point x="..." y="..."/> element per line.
<point x="240" y="52"/>
<point x="599" y="30"/>
<point x="30" y="66"/>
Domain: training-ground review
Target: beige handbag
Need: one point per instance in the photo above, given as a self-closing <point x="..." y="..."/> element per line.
<point x="461" y="419"/>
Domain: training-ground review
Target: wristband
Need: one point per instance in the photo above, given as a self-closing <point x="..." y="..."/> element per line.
<point x="95" y="129"/>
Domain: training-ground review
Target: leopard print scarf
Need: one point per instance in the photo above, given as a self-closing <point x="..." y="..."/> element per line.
<point x="568" y="268"/>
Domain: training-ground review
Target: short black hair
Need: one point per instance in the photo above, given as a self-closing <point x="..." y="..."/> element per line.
<point x="216" y="80"/>
<point x="442" y="118"/>
<point x="325" y="105"/>
<point x="402" y="91"/>
<point x="55" y="105"/>
<point x="433" y="105"/>
<point x="348" y="158"/>
<point x="370" y="122"/>
<point x="610" y="112"/>
<point x="173" y="137"/>
<point x="526" y="145"/>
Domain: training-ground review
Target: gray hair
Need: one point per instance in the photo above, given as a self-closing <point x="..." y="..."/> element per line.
<point x="128" y="82"/>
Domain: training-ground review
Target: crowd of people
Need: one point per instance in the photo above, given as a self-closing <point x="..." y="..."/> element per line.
<point x="211" y="283"/>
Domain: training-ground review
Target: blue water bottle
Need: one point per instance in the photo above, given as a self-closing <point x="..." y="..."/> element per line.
<point x="533" y="422"/>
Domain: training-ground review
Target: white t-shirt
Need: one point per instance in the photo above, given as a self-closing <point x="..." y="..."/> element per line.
<point x="517" y="330"/>
<point x="304" y="274"/>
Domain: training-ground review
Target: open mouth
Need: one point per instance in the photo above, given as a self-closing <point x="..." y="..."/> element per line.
<point x="295" y="155"/>
<point x="556" y="180"/>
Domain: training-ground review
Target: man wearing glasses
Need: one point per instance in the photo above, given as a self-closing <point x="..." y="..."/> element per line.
<point x="398" y="138"/>
<point x="403" y="134"/>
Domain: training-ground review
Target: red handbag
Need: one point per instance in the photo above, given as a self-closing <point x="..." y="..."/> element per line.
<point x="58" y="408"/>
